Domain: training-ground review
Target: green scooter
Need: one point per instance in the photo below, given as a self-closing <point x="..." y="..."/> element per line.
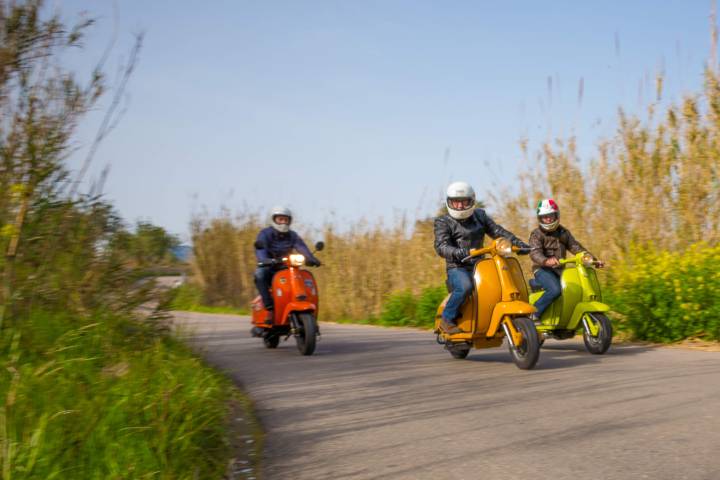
<point x="579" y="306"/>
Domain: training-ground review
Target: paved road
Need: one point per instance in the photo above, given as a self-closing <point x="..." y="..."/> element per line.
<point x="378" y="403"/>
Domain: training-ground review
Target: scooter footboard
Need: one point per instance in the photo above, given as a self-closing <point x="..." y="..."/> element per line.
<point x="581" y="309"/>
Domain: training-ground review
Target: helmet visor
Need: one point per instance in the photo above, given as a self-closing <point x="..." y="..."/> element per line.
<point x="548" y="218"/>
<point x="281" y="219"/>
<point x="460" y="203"/>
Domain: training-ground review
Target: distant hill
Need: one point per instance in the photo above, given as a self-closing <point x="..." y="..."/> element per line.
<point x="182" y="253"/>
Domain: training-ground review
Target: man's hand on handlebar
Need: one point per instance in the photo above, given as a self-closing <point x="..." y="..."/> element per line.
<point x="313" y="263"/>
<point x="552" y="262"/>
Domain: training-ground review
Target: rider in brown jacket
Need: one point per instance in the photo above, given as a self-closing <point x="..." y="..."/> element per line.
<point x="548" y="244"/>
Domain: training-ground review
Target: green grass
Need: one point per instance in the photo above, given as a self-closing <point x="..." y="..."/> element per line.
<point x="102" y="398"/>
<point x="189" y="297"/>
<point x="405" y="309"/>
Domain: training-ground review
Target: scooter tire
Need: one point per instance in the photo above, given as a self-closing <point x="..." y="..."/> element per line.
<point x="306" y="336"/>
<point x="525" y="355"/>
<point x="459" y="353"/>
<point x="600" y="344"/>
<point x="271" y="341"/>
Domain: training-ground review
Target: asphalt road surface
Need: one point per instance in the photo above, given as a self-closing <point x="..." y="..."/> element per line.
<point x="389" y="403"/>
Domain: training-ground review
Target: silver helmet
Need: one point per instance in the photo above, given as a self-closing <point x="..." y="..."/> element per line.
<point x="280" y="211"/>
<point x="463" y="196"/>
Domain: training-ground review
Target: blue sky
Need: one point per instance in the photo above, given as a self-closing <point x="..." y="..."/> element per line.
<point x="345" y="110"/>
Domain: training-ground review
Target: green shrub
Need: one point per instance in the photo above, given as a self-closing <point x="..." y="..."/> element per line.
<point x="428" y="303"/>
<point x="107" y="398"/>
<point x="399" y="309"/>
<point x="406" y="309"/>
<point x="668" y="296"/>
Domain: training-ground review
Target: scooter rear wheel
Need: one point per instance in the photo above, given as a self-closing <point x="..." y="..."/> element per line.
<point x="459" y="351"/>
<point x="271" y="340"/>
<point x="527" y="353"/>
<point x="599" y="344"/>
<point x="306" y="332"/>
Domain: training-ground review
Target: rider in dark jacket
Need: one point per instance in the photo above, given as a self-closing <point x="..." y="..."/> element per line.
<point x="463" y="228"/>
<point x="548" y="244"/>
<point x="277" y="241"/>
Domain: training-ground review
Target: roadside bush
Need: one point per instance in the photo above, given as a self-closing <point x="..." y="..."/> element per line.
<point x="399" y="309"/>
<point x="428" y="303"/>
<point x="667" y="296"/>
<point x="405" y="309"/>
<point x="107" y="398"/>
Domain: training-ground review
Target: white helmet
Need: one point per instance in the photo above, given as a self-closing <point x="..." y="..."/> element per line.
<point x="548" y="214"/>
<point x="464" y="192"/>
<point x="284" y="211"/>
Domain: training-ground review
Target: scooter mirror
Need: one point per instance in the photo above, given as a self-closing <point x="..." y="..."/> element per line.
<point x="319" y="246"/>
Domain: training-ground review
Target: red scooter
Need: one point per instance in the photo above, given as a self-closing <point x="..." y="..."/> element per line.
<point x="295" y="297"/>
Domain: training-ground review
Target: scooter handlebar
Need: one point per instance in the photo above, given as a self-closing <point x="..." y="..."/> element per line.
<point x="270" y="262"/>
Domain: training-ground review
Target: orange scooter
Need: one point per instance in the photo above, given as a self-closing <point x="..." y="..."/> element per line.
<point x="295" y="297"/>
<point x="497" y="308"/>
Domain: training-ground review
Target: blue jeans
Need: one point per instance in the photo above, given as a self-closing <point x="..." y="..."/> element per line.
<point x="550" y="282"/>
<point x="461" y="284"/>
<point x="263" y="282"/>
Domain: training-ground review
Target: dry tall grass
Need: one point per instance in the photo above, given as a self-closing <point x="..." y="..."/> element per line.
<point x="656" y="183"/>
<point x="360" y="266"/>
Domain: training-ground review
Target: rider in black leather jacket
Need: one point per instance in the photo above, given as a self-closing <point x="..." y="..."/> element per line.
<point x="463" y="228"/>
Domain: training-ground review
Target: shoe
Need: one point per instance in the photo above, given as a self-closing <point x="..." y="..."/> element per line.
<point x="449" y="328"/>
<point x="535" y="318"/>
<point x="270" y="319"/>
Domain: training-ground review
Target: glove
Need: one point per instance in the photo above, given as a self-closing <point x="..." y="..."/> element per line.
<point x="461" y="254"/>
<point x="313" y="262"/>
<point x="522" y="245"/>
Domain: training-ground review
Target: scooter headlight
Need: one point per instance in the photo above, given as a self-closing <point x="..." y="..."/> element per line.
<point x="297" y="260"/>
<point x="504" y="247"/>
<point x="588" y="260"/>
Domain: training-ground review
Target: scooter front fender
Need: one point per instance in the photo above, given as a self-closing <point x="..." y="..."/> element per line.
<point x="502" y="309"/>
<point x="581" y="309"/>
<point x="297" y="307"/>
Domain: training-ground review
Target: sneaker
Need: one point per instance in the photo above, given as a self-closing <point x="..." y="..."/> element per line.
<point x="449" y="328"/>
<point x="535" y="318"/>
<point x="270" y="319"/>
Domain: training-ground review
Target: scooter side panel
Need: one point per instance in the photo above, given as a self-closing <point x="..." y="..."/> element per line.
<point x="488" y="292"/>
<point x="465" y="320"/>
<point x="282" y="293"/>
<point x="438" y="314"/>
<point x="258" y="311"/>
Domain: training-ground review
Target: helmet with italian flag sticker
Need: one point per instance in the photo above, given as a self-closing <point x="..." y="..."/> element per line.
<point x="548" y="214"/>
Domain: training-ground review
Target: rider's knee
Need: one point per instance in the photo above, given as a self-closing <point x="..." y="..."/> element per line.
<point x="554" y="291"/>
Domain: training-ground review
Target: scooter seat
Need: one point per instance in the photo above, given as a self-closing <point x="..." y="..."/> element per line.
<point x="535" y="286"/>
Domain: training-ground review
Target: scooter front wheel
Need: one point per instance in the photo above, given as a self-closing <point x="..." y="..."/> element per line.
<point x="527" y="353"/>
<point x="306" y="332"/>
<point x="597" y="345"/>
